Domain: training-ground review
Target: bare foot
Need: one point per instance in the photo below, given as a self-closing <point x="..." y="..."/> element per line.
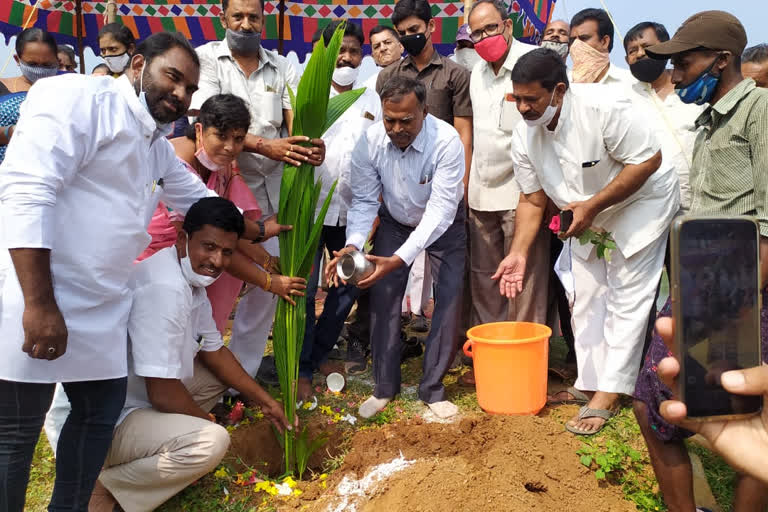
<point x="304" y="391"/>
<point x="101" y="499"/>
<point x="600" y="400"/>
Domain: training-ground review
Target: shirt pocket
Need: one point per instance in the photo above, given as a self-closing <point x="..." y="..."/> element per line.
<point x="509" y="116"/>
<point x="270" y="107"/>
<point x="419" y="186"/>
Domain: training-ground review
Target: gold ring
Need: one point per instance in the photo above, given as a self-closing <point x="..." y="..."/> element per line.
<point x="291" y="147"/>
<point x="287" y="153"/>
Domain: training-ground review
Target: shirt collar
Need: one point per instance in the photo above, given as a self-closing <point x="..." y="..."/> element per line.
<point x="265" y="57"/>
<point x="565" y="113"/>
<point x="726" y="103"/>
<point x="436" y="60"/>
<point x="129" y="93"/>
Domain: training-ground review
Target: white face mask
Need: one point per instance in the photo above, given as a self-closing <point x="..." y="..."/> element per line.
<point x="467" y="57"/>
<point x="345" y="75"/>
<point x="193" y="278"/>
<point x="546" y="117"/>
<point x="118" y="63"/>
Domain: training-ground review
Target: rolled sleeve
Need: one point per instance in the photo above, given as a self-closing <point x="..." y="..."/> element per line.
<point x="206" y="328"/>
<point x="208" y="85"/>
<point x="525" y="175"/>
<point x="365" y="184"/>
<point x="629" y="135"/>
<point x="45" y="154"/>
<point x="443" y="202"/>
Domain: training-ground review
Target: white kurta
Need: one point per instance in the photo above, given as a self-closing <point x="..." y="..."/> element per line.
<point x="81" y="177"/>
<point x="598" y="133"/>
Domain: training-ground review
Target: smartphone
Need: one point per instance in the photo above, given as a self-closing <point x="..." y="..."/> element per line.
<point x="716" y="306"/>
<point x="566" y="219"/>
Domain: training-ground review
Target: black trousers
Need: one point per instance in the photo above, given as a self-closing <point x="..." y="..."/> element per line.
<point x="447" y="257"/>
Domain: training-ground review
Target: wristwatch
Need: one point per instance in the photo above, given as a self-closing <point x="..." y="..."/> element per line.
<point x="262" y="232"/>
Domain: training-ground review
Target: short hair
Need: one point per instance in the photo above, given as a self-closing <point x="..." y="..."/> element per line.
<point x="161" y="42"/>
<point x="378" y="29"/>
<point x="756" y="54"/>
<point x="214" y="211"/>
<point x="224" y="112"/>
<point x="604" y="24"/>
<point x="35" y="35"/>
<point x="636" y="31"/>
<point x="225" y="4"/>
<point x="498" y="4"/>
<point x="100" y="66"/>
<point x="405" y="8"/>
<point x="541" y="65"/>
<point x="398" y="86"/>
<point x="350" y="29"/>
<point x="120" y="33"/>
<point x="65" y="48"/>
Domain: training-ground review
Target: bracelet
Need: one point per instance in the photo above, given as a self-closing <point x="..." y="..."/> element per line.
<point x="268" y="284"/>
<point x="267" y="262"/>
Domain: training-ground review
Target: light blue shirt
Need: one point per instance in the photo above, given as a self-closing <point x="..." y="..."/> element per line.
<point x="421" y="187"/>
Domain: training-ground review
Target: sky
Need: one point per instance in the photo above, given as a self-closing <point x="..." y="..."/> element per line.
<point x="626" y="13"/>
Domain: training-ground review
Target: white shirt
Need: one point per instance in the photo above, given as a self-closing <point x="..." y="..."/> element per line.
<point x="675" y="128"/>
<point x="492" y="185"/>
<point x="421" y="186"/>
<point x="618" y="76"/>
<point x="82" y="176"/>
<point x="340" y="140"/>
<point x="597" y="134"/>
<point x="370" y="83"/>
<point x="266" y="94"/>
<point x="169" y="323"/>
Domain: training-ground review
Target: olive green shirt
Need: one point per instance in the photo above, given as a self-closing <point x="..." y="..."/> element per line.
<point x="729" y="174"/>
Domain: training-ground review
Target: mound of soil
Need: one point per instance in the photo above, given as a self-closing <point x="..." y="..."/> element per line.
<point x="483" y="463"/>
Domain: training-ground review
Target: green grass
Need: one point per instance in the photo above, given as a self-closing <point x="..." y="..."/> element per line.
<point x="720" y="476"/>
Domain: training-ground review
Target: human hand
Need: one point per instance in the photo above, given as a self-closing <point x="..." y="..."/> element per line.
<point x="319" y="151"/>
<point x="272" y="228"/>
<point x="287" y="287"/>
<point x="331" y="276"/>
<point x="743" y="443"/>
<point x="510" y="274"/>
<point x="273" y="411"/>
<point x="291" y="151"/>
<point x="45" y="333"/>
<point x="583" y="216"/>
<point x="384" y="265"/>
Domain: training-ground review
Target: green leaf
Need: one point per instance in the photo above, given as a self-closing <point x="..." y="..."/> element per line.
<point x="600" y="474"/>
<point x="586" y="460"/>
<point x="585" y="237"/>
<point x="600" y="251"/>
<point x="339" y="104"/>
<point x="601" y="460"/>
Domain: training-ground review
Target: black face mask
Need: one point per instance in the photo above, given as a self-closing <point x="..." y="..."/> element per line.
<point x="414" y="43"/>
<point x="648" y="70"/>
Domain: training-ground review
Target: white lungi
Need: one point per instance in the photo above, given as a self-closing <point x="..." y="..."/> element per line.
<point x="610" y="314"/>
<point x="419" y="286"/>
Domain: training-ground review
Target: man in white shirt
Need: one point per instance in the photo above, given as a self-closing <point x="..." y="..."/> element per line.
<point x="586" y="148"/>
<point x="591" y="45"/>
<point x="415" y="163"/>
<point x="240" y="66"/>
<point x="493" y="191"/>
<point x="673" y="120"/>
<point x="385" y="49"/>
<point x="85" y="169"/>
<point x="166" y="437"/>
<point x="340" y="140"/>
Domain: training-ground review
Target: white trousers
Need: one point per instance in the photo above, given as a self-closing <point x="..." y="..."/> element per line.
<point x="610" y="315"/>
<point x="253" y="320"/>
<point x="419" y="286"/>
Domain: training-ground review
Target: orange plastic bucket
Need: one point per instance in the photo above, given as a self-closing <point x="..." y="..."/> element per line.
<point x="510" y="360"/>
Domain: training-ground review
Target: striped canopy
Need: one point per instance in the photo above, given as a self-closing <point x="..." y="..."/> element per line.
<point x="199" y="20"/>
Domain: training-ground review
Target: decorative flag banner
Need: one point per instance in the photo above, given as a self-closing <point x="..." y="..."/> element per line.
<point x="198" y="20"/>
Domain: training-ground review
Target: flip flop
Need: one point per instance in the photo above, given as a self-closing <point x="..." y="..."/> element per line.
<point x="570" y="395"/>
<point x="586" y="412"/>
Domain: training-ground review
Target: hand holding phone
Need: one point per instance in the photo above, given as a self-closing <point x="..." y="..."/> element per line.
<point x="566" y="219"/>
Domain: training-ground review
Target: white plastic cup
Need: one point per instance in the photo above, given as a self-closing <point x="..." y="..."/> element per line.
<point x="335" y="382"/>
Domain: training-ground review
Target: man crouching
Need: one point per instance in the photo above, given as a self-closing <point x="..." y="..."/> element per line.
<point x="166" y="438"/>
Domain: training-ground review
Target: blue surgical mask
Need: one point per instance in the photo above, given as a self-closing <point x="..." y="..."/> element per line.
<point x="701" y="90"/>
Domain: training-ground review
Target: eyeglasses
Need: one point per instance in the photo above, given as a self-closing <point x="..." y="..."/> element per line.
<point x="491" y="29"/>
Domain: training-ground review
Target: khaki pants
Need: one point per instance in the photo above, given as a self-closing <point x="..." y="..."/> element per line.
<point x="155" y="455"/>
<point x="490" y="237"/>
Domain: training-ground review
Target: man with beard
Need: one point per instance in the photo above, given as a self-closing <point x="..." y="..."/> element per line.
<point x="415" y="163"/>
<point x="240" y="66"/>
<point x="385" y="49"/>
<point x="591" y="45"/>
<point x="74" y="219"/>
<point x="673" y="119"/>
<point x="341" y="138"/>
<point x="557" y="37"/>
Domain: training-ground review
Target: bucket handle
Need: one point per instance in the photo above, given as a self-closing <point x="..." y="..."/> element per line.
<point x="468" y="346"/>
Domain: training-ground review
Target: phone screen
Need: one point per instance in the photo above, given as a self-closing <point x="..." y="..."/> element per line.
<point x="718" y="296"/>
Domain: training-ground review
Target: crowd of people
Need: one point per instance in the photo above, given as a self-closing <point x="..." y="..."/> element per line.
<point x="138" y="214"/>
